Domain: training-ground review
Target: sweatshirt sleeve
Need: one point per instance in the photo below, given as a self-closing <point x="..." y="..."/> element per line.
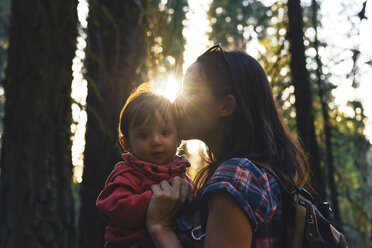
<point x="121" y="203"/>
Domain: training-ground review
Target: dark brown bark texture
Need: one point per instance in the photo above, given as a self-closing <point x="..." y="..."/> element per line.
<point x="36" y="169"/>
<point x="115" y="60"/>
<point x="303" y="104"/>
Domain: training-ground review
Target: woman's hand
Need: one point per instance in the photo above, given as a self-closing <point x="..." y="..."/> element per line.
<point x="167" y="199"/>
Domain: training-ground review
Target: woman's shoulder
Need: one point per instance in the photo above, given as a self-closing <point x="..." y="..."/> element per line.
<point x="244" y="171"/>
<point x="254" y="189"/>
<point x="241" y="176"/>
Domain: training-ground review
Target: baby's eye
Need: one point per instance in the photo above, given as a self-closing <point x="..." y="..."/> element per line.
<point x="166" y="132"/>
<point x="143" y="135"/>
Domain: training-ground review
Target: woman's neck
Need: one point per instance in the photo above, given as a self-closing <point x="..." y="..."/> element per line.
<point x="214" y="141"/>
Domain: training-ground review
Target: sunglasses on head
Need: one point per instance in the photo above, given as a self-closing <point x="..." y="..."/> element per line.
<point x="218" y="47"/>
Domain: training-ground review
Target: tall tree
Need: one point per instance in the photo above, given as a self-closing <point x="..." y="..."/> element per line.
<point x="302" y="91"/>
<point x="36" y="170"/>
<point x="115" y="58"/>
<point x="326" y="120"/>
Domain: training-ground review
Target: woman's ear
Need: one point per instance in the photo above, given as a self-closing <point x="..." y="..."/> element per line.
<point x="228" y="105"/>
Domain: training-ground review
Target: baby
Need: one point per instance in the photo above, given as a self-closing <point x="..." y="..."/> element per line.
<point x="148" y="132"/>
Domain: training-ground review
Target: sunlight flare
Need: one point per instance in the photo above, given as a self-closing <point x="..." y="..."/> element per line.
<point x="169" y="88"/>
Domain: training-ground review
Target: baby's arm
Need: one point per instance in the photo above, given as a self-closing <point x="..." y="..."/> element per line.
<point x="122" y="203"/>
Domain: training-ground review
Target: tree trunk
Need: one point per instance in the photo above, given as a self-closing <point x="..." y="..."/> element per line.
<point x="303" y="104"/>
<point x="115" y="56"/>
<point x="36" y="168"/>
<point x="326" y="123"/>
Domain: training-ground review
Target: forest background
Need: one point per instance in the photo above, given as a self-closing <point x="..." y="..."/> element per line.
<point x="66" y="68"/>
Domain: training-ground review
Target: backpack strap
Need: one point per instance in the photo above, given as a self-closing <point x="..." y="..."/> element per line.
<point x="299" y="223"/>
<point x="197" y="233"/>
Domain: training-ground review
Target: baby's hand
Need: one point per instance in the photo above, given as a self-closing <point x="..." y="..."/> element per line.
<point x="166" y="201"/>
<point x="183" y="183"/>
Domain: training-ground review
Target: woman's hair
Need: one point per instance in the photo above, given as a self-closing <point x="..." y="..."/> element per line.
<point x="141" y="107"/>
<point x="256" y="129"/>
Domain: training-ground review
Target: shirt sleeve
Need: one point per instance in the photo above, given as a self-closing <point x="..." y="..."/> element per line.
<point x="249" y="185"/>
<point x="123" y="204"/>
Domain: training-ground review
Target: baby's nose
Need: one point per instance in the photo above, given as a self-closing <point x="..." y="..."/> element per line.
<point x="156" y="139"/>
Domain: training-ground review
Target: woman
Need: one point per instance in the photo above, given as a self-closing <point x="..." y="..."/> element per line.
<point x="228" y="104"/>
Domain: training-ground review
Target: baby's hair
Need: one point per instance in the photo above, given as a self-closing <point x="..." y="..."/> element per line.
<point x="142" y="106"/>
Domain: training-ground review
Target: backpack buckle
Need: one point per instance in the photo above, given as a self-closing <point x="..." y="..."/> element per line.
<point x="197" y="228"/>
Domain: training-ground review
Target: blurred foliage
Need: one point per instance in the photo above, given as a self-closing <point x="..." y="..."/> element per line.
<point x="233" y="20"/>
<point x="350" y="151"/>
<point x="163" y="33"/>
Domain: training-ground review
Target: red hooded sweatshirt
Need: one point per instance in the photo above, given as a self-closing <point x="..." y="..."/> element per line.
<point x="123" y="201"/>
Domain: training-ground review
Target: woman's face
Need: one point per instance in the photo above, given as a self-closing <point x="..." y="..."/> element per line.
<point x="199" y="115"/>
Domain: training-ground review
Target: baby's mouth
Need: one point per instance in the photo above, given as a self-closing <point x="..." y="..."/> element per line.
<point x="157" y="153"/>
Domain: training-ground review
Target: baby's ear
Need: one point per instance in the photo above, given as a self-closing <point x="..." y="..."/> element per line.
<point x="124" y="144"/>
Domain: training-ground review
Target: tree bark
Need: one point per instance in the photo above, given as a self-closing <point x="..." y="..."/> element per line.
<point x="36" y="169"/>
<point x="303" y="104"/>
<point x="115" y="58"/>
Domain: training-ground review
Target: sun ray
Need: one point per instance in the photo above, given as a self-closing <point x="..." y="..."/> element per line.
<point x="169" y="88"/>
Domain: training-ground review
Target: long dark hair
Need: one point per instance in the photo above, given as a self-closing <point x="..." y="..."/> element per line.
<point x="256" y="129"/>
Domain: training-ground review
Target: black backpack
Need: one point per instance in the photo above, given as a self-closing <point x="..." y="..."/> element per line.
<point x="306" y="224"/>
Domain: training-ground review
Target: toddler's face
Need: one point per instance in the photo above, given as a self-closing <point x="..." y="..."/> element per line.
<point x="154" y="143"/>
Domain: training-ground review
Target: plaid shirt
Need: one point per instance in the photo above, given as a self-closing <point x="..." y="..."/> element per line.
<point x="257" y="193"/>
